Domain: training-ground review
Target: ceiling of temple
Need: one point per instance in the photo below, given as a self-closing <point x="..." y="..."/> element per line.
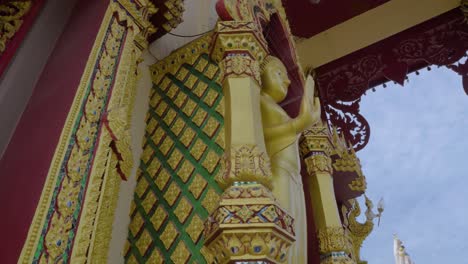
<point x="308" y="19"/>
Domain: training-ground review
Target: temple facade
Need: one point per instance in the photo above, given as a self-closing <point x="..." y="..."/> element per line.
<point x="200" y="131"/>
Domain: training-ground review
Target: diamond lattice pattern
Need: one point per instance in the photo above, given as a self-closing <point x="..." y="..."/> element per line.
<point x="183" y="146"/>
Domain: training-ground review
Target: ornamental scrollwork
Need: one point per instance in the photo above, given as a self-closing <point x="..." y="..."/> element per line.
<point x="349" y="123"/>
<point x="441" y="41"/>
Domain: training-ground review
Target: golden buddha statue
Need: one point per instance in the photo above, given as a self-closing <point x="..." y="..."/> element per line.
<point x="281" y="134"/>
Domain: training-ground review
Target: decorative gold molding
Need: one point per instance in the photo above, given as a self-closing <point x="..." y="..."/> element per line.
<point x="138" y="11"/>
<point x="94" y="230"/>
<point x="46" y="196"/>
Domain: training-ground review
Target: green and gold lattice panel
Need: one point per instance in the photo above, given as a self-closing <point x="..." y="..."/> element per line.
<point x="183" y="146"/>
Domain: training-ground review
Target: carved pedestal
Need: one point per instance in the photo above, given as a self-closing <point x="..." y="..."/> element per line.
<point x="249" y="225"/>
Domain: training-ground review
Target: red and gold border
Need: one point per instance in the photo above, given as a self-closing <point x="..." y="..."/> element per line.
<point x="24" y="16"/>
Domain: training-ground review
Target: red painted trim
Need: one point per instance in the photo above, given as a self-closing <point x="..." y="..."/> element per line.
<point x="101" y="127"/>
<point x="13" y="45"/>
<point x="26" y="162"/>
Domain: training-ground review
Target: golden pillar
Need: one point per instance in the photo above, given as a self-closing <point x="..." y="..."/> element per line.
<point x="248" y="224"/>
<point x="316" y="149"/>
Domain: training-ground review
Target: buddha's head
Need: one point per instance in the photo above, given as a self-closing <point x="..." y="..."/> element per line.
<point x="275" y="79"/>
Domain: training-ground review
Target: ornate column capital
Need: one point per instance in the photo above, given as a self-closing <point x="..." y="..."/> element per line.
<point x="316" y="148"/>
<point x="316" y="140"/>
<point x="239" y="47"/>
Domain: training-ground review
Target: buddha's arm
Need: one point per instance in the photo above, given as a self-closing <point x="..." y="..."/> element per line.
<point x="309" y="114"/>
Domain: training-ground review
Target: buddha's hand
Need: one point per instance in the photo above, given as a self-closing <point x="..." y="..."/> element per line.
<point x="310" y="110"/>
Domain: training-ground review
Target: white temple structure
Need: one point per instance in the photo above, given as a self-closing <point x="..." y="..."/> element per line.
<point x="399" y="251"/>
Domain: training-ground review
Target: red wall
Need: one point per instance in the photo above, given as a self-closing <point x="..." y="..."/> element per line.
<point x="25" y="164"/>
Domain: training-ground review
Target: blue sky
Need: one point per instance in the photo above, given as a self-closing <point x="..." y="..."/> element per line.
<point x="417" y="159"/>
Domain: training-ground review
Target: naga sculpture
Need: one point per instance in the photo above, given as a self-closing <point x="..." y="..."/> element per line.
<point x="360" y="231"/>
<point x="281" y="134"/>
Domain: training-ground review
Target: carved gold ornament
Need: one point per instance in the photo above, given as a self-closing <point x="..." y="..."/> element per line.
<point x="240" y="65"/>
<point x="246" y="163"/>
<point x="11" y="19"/>
<point x="316" y="139"/>
<point x="333" y="239"/>
<point x="238" y="37"/>
<point x="318" y="164"/>
<point x="249" y="224"/>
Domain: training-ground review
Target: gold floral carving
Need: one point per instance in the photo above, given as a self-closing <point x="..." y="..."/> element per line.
<point x="246" y="163"/>
<point x="11" y="19"/>
<point x="347" y="161"/>
<point x="240" y="65"/>
<point x="318" y="164"/>
<point x="359" y="184"/>
<point x="333" y="239"/>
